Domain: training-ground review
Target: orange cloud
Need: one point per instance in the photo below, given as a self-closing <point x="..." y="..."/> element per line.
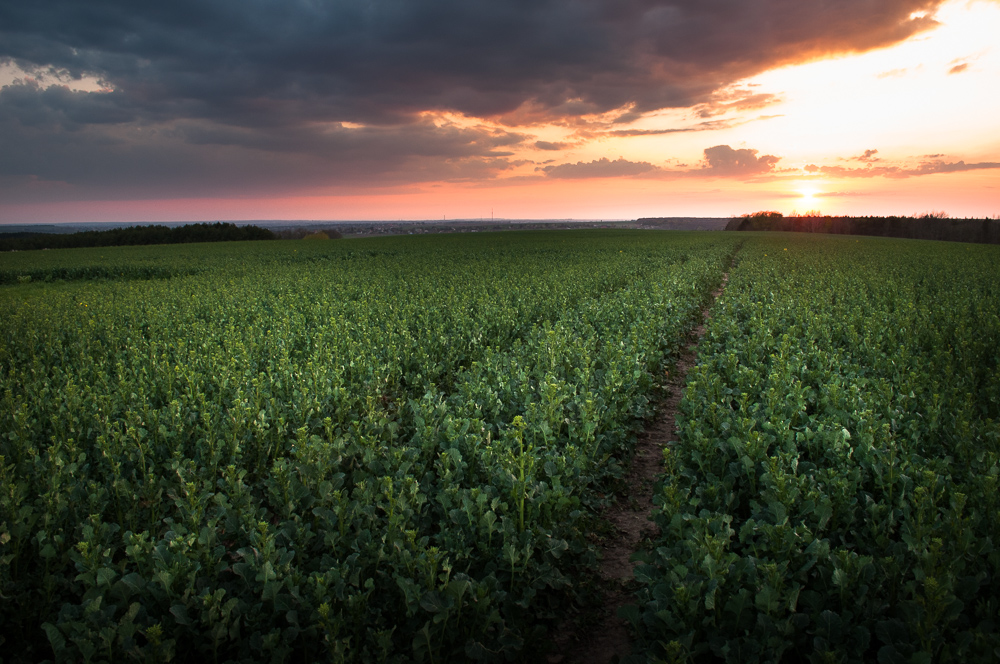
<point x="724" y="160"/>
<point x="600" y="168"/>
<point x="925" y="168"/>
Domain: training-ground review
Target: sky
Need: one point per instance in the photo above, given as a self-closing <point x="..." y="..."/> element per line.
<point x="194" y="110"/>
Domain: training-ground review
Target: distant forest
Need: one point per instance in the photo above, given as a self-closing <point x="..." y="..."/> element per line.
<point x="132" y="235"/>
<point x="927" y="227"/>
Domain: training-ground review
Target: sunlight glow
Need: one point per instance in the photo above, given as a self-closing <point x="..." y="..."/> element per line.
<point x="927" y="95"/>
<point x="808" y="195"/>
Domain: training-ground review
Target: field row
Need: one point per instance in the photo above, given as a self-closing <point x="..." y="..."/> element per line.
<point x="833" y="495"/>
<point x="396" y="449"/>
<point x="385" y="450"/>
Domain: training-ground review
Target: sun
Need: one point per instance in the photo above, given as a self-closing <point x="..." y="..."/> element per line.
<point x="808" y="194"/>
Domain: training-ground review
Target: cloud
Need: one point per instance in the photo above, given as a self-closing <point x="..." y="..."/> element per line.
<point x="548" y="145"/>
<point x="632" y="133"/>
<point x="183" y="158"/>
<point x="724" y="160"/>
<point x="868" y="156"/>
<point x="931" y="167"/>
<point x="735" y="99"/>
<point x="710" y="125"/>
<point x="841" y="194"/>
<point x="720" y="161"/>
<point x="600" y="168"/>
<point x="386" y="58"/>
<point x="221" y="82"/>
<point x="893" y="73"/>
<point x="821" y="194"/>
<point x="56" y="106"/>
<point x="899" y="172"/>
<point x="957" y="69"/>
<point x="707" y="125"/>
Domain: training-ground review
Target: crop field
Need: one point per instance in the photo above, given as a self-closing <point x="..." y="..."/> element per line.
<point x="398" y="449"/>
<point x="834" y="494"/>
<point x="378" y="450"/>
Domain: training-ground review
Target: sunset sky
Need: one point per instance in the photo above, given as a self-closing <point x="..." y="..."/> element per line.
<point x="189" y="110"/>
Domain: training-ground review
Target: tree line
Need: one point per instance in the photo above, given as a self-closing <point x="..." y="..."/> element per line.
<point x="936" y="226"/>
<point x="136" y="235"/>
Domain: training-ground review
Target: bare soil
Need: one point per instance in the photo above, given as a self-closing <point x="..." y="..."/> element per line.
<point x="608" y="640"/>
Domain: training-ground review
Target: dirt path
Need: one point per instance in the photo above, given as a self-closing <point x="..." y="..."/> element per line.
<point x="629" y="519"/>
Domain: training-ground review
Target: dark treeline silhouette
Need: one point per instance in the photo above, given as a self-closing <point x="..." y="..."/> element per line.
<point x="132" y="235"/>
<point x="315" y="233"/>
<point x="927" y="227"/>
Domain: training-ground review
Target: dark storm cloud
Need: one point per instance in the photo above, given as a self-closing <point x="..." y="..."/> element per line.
<point x="200" y="158"/>
<point x="382" y="58"/>
<point x="57" y="107"/>
<point x="259" y="75"/>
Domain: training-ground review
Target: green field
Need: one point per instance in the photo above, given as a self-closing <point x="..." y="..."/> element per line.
<point x="396" y="449"/>
<point x="364" y="450"/>
<point x="834" y="494"/>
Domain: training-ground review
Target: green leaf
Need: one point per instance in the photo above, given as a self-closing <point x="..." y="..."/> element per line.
<point x="179" y="612"/>
<point x="56" y="639"/>
<point x="105" y="576"/>
<point x="830" y="624"/>
<point x="433" y="602"/>
<point x="134" y="581"/>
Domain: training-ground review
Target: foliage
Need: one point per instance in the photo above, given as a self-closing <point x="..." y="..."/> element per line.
<point x="133" y="235"/>
<point x="929" y="226"/>
<point x="314" y="233"/>
<point x="833" y="496"/>
<point x="374" y="450"/>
